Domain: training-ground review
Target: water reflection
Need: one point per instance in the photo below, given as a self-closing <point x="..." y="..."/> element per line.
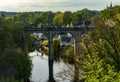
<point x="40" y="68"/>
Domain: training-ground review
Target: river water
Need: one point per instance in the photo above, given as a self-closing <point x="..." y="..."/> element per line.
<point x="40" y="69"/>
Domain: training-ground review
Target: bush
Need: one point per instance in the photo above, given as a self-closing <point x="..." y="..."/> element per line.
<point x="10" y="79"/>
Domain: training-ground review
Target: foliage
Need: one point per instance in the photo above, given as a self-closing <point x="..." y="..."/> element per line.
<point x="45" y="42"/>
<point x="44" y="18"/>
<point x="76" y="16"/>
<point x="83" y="15"/>
<point x="23" y="66"/>
<point x="99" y="69"/>
<point x="11" y="79"/>
<point x="110" y="12"/>
<point x="58" y="19"/>
<point x="66" y="53"/>
<point x="31" y="39"/>
<point x="11" y="46"/>
<point x="67" y="17"/>
<point x="102" y="59"/>
<point x="56" y="45"/>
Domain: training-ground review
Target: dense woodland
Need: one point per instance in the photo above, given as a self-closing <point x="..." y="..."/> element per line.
<point x="97" y="54"/>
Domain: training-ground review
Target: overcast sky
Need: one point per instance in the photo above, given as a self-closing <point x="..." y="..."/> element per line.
<point x="54" y="5"/>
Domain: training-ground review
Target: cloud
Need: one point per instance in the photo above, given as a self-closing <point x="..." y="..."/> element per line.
<point x="53" y="5"/>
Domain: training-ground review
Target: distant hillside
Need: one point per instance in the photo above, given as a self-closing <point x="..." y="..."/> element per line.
<point x="3" y="13"/>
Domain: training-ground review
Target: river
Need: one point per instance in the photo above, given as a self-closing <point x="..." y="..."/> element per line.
<point x="40" y="69"/>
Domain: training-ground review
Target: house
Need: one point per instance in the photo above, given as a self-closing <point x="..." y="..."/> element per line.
<point x="81" y="24"/>
<point x="66" y="39"/>
<point x="77" y="24"/>
<point x="40" y="36"/>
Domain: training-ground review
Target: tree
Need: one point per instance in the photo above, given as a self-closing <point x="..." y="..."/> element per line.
<point x="83" y="15"/>
<point x="67" y="17"/>
<point x="110" y="12"/>
<point x="77" y="16"/>
<point x="12" y="57"/>
<point x="102" y="57"/>
<point x="58" y="19"/>
<point x="44" y="18"/>
<point x="50" y="18"/>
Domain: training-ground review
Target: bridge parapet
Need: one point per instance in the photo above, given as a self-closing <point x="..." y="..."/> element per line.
<point x="45" y="31"/>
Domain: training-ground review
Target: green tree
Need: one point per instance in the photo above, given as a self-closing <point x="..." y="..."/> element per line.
<point x="44" y="18"/>
<point x="12" y="57"/>
<point x="67" y="17"/>
<point x="77" y="16"/>
<point x="58" y="19"/>
<point x="102" y="59"/>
